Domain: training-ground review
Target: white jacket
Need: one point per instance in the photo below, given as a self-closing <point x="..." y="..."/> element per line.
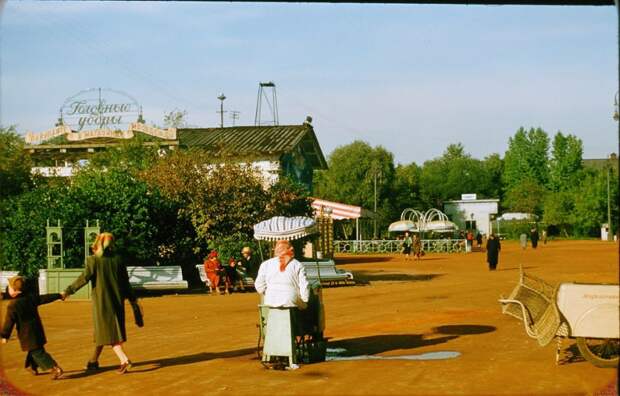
<point x="288" y="288"/>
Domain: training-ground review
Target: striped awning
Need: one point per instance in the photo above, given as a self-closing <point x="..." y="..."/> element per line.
<point x="288" y="228"/>
<point x="339" y="211"/>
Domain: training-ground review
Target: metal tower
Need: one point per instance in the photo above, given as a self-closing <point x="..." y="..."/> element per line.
<point x="272" y="104"/>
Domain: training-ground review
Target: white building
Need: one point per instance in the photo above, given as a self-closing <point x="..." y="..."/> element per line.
<point x="470" y="213"/>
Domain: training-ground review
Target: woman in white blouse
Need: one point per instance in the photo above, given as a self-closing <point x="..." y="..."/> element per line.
<point x="282" y="279"/>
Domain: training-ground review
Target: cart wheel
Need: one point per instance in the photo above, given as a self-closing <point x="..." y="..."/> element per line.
<point x="600" y="352"/>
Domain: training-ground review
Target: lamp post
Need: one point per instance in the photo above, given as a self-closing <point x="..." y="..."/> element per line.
<point x="221" y="98"/>
<point x="609" y="237"/>
<point x="616" y="117"/>
<point x="374" y="234"/>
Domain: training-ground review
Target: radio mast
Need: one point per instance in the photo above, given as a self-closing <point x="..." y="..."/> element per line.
<point x="271" y="104"/>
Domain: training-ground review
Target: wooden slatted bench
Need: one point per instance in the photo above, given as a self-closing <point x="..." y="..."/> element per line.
<point x="248" y="281"/>
<point x="328" y="272"/>
<point x="156" y="278"/>
<point x="533" y="301"/>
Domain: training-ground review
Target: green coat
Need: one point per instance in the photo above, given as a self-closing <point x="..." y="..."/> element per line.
<point x="110" y="286"/>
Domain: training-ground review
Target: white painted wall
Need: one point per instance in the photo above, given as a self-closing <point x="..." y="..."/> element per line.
<point x="481" y="209"/>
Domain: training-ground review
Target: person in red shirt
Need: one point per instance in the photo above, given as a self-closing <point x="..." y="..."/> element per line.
<point x="213" y="269"/>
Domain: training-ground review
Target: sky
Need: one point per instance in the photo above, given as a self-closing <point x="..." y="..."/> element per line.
<point x="410" y="78"/>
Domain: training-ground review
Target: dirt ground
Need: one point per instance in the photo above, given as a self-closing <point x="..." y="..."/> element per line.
<point x="197" y="344"/>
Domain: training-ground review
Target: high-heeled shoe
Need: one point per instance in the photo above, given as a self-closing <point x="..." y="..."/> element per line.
<point x="56" y="372"/>
<point x="124" y="367"/>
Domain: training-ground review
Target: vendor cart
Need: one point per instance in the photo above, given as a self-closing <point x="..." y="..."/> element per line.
<point x="288" y="335"/>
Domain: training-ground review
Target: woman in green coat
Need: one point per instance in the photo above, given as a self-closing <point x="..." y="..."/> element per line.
<point x="110" y="288"/>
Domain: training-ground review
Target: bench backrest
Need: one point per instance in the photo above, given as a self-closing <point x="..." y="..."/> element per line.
<point x="201" y="272"/>
<point x="326" y="270"/>
<point x="138" y="275"/>
<point x="247" y="280"/>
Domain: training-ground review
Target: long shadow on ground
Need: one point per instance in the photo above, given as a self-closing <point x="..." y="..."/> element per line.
<point x="165" y="362"/>
<point x="372" y="345"/>
<point x="513" y="269"/>
<point x="361" y="259"/>
<point x="365" y="277"/>
<point x="464" y="329"/>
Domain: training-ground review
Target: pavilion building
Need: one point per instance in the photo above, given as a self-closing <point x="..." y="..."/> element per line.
<point x="291" y="150"/>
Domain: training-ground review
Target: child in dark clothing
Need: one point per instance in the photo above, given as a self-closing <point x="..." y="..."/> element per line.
<point x="23" y="313"/>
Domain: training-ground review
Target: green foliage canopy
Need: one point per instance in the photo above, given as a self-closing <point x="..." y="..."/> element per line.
<point x="15" y="164"/>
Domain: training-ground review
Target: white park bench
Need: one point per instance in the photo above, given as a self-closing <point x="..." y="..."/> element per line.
<point x="248" y="281"/>
<point x="156" y="278"/>
<point x="328" y="272"/>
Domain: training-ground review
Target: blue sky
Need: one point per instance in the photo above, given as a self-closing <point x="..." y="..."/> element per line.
<point x="411" y="78"/>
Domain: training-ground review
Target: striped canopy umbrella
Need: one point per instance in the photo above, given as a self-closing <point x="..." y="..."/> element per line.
<point x="288" y="228"/>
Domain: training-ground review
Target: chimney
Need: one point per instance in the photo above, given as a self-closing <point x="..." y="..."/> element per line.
<point x="308" y="121"/>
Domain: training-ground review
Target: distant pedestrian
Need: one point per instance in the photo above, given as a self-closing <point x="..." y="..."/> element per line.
<point x="493" y="248"/>
<point x="534" y="237"/>
<point x="406" y="245"/>
<point x="417" y="247"/>
<point x="523" y="240"/>
<point x="469" y="240"/>
<point x="544" y="237"/>
<point x="479" y="239"/>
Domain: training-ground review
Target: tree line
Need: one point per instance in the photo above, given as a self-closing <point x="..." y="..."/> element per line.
<point x="174" y="208"/>
<point x="163" y="209"/>
<point x="536" y="175"/>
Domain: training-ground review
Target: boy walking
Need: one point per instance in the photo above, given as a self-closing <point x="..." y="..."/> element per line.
<point x="22" y="312"/>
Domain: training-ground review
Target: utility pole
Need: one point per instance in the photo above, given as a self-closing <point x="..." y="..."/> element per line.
<point x="609" y="237"/>
<point x="221" y="98"/>
<point x="234" y="114"/>
<point x="376" y="173"/>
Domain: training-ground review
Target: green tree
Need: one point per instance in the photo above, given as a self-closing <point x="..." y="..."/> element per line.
<point x="15" y="164"/>
<point x="407" y="187"/>
<point x="287" y="198"/>
<point x="526" y="158"/>
<point x="527" y="196"/>
<point x="565" y="164"/>
<point x="591" y="202"/>
<point x="559" y="208"/>
<point x="22" y="228"/>
<point x="452" y="174"/>
<point x="354" y="171"/>
<point x="131" y="156"/>
<point x="232" y="201"/>
<point x="493" y="166"/>
<point x="129" y="208"/>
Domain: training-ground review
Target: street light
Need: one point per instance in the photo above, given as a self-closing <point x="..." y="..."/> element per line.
<point x="609" y="164"/>
<point x="376" y="173"/>
<point x="221" y="98"/>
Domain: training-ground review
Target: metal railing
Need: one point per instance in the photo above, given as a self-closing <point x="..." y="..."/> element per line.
<point x="395" y="246"/>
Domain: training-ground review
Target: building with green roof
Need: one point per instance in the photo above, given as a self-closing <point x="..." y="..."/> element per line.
<point x="291" y="150"/>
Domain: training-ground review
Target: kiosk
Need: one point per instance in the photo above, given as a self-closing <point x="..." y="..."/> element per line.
<point x="290" y="335"/>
